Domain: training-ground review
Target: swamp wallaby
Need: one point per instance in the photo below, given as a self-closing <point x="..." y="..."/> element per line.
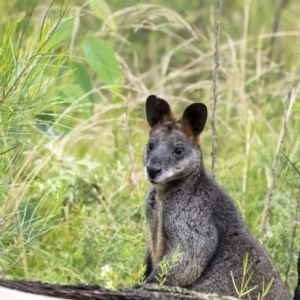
<point x="187" y="210"/>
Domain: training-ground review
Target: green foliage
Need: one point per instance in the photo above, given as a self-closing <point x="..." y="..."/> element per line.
<point x="266" y="289"/>
<point x="101" y="10"/>
<point x="101" y="58"/>
<point x="82" y="79"/>
<point x="61" y="32"/>
<point x="166" y="266"/>
<point x="244" y="289"/>
<point x="241" y="285"/>
<point x="73" y="81"/>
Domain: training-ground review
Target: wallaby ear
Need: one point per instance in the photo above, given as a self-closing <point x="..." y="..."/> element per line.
<point x="193" y="119"/>
<point x="157" y="111"/>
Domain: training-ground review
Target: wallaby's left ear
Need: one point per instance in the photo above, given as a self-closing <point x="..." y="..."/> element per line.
<point x="194" y="119"/>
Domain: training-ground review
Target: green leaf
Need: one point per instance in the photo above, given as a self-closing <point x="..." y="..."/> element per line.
<point x="62" y="32"/>
<point x="27" y="221"/>
<point x="102" y="11"/>
<point x="82" y="78"/>
<point x="73" y="92"/>
<point x="44" y="122"/>
<point x="46" y="116"/>
<point x="101" y="58"/>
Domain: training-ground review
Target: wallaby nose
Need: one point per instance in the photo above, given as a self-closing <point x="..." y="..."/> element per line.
<point x="153" y="170"/>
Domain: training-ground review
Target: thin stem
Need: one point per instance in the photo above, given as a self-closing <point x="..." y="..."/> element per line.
<point x="267" y="213"/>
<point x="215" y="89"/>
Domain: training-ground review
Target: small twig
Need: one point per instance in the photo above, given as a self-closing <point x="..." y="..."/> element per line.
<point x="267" y="213"/>
<point x="293" y="165"/>
<point x="215" y="89"/>
<point x="15" y="146"/>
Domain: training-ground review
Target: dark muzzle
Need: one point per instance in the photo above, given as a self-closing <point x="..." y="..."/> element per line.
<point x="154" y="170"/>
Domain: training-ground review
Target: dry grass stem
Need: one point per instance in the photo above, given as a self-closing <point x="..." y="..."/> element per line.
<point x="134" y="173"/>
<point x="215" y="89"/>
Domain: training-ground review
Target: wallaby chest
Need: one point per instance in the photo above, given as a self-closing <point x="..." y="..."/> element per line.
<point x="162" y="211"/>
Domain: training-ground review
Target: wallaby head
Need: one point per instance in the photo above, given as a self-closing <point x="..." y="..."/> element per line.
<point x="173" y="150"/>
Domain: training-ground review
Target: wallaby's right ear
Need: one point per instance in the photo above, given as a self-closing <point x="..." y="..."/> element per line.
<point x="194" y="119"/>
<point x="158" y="111"/>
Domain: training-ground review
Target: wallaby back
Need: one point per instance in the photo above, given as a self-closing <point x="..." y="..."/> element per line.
<point x="187" y="210"/>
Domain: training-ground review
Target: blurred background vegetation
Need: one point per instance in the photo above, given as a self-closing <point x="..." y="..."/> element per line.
<point x="74" y="78"/>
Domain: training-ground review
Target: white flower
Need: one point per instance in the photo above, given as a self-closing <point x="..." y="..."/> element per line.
<point x="106" y="271"/>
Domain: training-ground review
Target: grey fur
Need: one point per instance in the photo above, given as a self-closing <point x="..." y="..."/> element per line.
<point x="186" y="207"/>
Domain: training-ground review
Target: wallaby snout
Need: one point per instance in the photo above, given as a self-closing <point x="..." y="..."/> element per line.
<point x="173" y="148"/>
<point x="153" y="170"/>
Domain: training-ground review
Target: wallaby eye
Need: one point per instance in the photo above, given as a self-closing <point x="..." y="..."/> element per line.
<point x="150" y="146"/>
<point x="178" y="150"/>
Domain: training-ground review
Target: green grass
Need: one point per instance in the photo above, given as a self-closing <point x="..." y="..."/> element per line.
<point x="73" y="127"/>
